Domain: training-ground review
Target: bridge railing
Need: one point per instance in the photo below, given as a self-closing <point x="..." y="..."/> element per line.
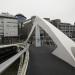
<point x="11" y="60"/>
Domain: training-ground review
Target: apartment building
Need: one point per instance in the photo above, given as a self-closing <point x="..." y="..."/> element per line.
<point x="8" y="28"/>
<point x="66" y="28"/>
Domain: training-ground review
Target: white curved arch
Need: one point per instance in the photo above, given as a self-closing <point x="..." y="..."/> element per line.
<point x="65" y="46"/>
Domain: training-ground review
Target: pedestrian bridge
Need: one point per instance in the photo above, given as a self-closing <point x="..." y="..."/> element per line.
<point x="37" y="62"/>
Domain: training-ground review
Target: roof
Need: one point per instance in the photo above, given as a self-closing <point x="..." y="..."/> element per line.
<point x="21" y="15"/>
<point x="7" y="15"/>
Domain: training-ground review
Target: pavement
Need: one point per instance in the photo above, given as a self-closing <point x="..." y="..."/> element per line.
<point x="42" y="62"/>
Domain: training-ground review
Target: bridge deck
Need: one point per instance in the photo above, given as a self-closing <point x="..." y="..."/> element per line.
<point x="42" y="62"/>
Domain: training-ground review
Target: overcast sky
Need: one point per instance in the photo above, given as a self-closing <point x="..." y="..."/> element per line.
<point x="62" y="9"/>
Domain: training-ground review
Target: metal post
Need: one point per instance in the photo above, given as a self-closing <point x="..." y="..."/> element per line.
<point x="20" y="64"/>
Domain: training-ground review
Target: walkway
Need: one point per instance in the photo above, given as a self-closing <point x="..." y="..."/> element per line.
<point x="42" y="62"/>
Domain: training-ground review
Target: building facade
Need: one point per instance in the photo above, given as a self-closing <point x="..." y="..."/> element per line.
<point x="21" y="31"/>
<point x="8" y="28"/>
<point x="66" y="28"/>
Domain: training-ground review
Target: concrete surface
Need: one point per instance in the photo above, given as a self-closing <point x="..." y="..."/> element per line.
<point x="42" y="62"/>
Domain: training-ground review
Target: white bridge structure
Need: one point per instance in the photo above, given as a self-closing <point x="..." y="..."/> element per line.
<point x="65" y="46"/>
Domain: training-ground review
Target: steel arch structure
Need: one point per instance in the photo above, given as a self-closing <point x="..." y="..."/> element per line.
<point x="65" y="46"/>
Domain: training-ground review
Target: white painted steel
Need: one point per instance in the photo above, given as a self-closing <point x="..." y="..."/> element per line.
<point x="20" y="64"/>
<point x="26" y="60"/>
<point x="27" y="21"/>
<point x="65" y="46"/>
<point x="37" y="36"/>
<point x="9" y="45"/>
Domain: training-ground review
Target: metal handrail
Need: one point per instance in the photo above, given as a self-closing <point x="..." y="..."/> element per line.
<point x="3" y="46"/>
<point x="8" y="62"/>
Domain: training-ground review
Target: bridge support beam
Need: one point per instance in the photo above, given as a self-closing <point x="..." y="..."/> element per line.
<point x="65" y="46"/>
<point x="37" y="36"/>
